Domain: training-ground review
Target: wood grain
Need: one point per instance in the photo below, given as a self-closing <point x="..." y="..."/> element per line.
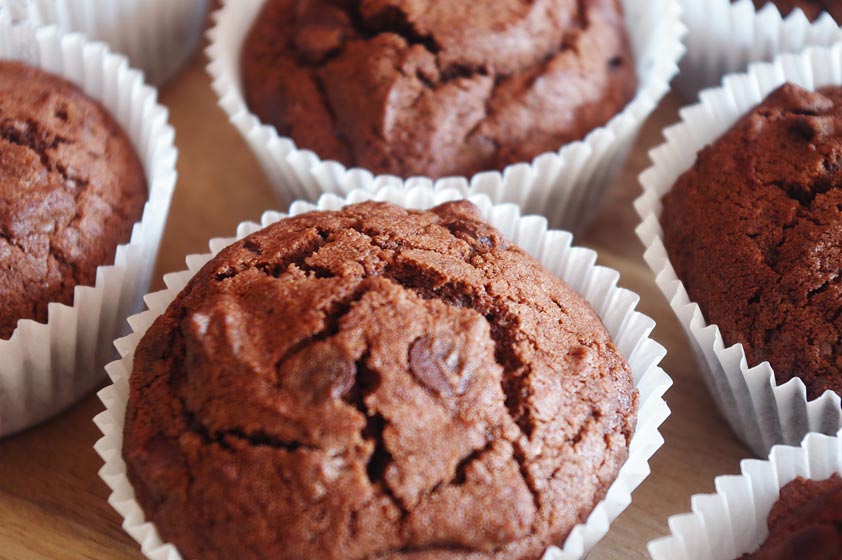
<point x="52" y="502"/>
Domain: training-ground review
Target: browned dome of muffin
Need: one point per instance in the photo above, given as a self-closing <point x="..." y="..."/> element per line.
<point x="805" y="522"/>
<point x="436" y="87"/>
<point x="754" y="230"/>
<point x="71" y="188"/>
<point x="375" y="383"/>
<point x="811" y="8"/>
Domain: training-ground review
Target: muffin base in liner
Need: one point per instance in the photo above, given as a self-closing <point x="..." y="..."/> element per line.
<point x="629" y="329"/>
<point x="566" y="186"/>
<point x="724" y="37"/>
<point x="48" y="366"/>
<point x="732" y="522"/>
<point x="158" y="36"/>
<point x="761" y="412"/>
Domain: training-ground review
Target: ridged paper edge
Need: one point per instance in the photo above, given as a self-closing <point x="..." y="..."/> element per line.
<point x="158" y="36"/>
<point x="732" y="522"/>
<point x="724" y="37"/>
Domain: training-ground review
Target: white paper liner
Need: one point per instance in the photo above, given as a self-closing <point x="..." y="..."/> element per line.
<point x="158" y="36"/>
<point x="761" y="412"/>
<point x="566" y="186"/>
<point x="46" y="367"/>
<point x="724" y="37"/>
<point x="629" y="329"/>
<point x="732" y="522"/>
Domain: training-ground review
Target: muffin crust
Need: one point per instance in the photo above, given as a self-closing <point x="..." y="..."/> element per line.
<point x="71" y="187"/>
<point x="375" y="383"/>
<point x="432" y="87"/>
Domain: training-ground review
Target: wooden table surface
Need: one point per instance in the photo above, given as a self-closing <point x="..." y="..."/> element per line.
<point x="52" y="502"/>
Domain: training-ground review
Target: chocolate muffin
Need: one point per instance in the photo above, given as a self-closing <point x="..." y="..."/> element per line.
<point x="805" y="522"/>
<point x="754" y="230"/>
<point x="375" y="383"/>
<point x="71" y="188"/>
<point x="811" y="8"/>
<point x="435" y="87"/>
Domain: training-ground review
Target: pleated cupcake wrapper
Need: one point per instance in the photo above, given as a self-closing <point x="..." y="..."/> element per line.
<point x="733" y="521"/>
<point x="158" y="36"/>
<point x="761" y="412"/>
<point x="724" y="37"/>
<point x="630" y="331"/>
<point x="46" y="367"/>
<point x="566" y="185"/>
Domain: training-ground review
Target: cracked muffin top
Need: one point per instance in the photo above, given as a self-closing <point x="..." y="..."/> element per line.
<point x="754" y="230"/>
<point x="375" y="383"/>
<point x="71" y="188"/>
<point x="805" y="522"/>
<point x="811" y="8"/>
<point x="435" y="87"/>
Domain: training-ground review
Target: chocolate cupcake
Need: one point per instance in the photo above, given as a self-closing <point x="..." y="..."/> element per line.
<point x="71" y="187"/>
<point x="740" y="226"/>
<point x="85" y="185"/>
<point x="535" y="103"/>
<point x="375" y="382"/>
<point x="804" y="522"/>
<point x="753" y="231"/>
<point x="440" y="88"/>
